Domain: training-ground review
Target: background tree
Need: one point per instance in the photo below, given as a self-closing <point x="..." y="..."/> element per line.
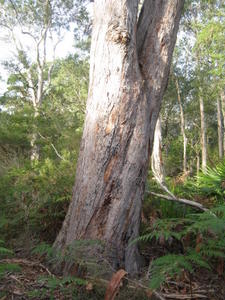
<point x="35" y="28"/>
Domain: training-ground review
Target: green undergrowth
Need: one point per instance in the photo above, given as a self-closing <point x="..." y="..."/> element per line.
<point x="35" y="198"/>
<point x="53" y="287"/>
<point x="201" y="237"/>
<point x="4" y="265"/>
<point x="190" y="239"/>
<point x="84" y="257"/>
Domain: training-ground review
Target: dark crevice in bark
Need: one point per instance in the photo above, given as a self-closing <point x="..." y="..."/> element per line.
<point x="144" y="21"/>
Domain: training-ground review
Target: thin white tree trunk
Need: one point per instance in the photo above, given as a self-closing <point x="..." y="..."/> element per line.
<point x="198" y="163"/>
<point x="220" y="128"/>
<point x="182" y="125"/>
<point x="203" y="133"/>
<point x="156" y="158"/>
<point x="223" y="112"/>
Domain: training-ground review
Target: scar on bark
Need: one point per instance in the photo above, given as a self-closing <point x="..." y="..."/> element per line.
<point x="111" y="121"/>
<point x="108" y="170"/>
<point x="96" y="128"/>
<point x="104" y="210"/>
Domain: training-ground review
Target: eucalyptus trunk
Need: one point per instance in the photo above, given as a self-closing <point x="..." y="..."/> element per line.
<point x="223" y="112"/>
<point x="220" y="128"/>
<point x="129" y="68"/>
<point x="182" y="125"/>
<point x="198" y="163"/>
<point x="156" y="158"/>
<point x="203" y="133"/>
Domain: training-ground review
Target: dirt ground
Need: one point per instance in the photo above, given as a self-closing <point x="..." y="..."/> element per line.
<point x="35" y="281"/>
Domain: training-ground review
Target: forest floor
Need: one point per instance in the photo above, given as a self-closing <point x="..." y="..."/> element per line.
<point x="33" y="280"/>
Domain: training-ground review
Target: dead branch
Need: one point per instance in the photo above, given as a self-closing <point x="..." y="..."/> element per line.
<point x="191" y="203"/>
<point x="26" y="262"/>
<point x="54" y="148"/>
<point x="184" y="297"/>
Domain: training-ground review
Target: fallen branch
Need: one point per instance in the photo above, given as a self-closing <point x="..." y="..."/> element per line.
<point x="26" y="262"/>
<point x="180" y="200"/>
<point x="184" y="297"/>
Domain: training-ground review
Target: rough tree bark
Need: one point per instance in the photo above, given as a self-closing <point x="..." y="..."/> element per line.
<point x="129" y="69"/>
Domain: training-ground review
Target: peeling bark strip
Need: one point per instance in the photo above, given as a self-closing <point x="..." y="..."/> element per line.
<point x="128" y="75"/>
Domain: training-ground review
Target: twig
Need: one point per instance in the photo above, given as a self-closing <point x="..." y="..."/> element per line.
<point x="54" y="148"/>
<point x="16" y="279"/>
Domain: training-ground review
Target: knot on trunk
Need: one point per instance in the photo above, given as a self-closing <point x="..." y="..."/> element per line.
<point x="118" y="33"/>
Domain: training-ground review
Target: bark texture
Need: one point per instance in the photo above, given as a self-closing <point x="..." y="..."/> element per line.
<point x="128" y="75"/>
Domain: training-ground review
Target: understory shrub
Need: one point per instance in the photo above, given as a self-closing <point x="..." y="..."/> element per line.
<point x="35" y="198"/>
<point x="201" y="235"/>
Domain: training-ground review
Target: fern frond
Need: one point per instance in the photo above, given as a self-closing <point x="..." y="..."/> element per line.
<point x="168" y="265"/>
<point x="5" y="252"/>
<point x="6" y="267"/>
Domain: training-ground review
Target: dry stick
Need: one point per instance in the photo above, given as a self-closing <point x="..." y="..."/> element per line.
<point x="27" y="263"/>
<point x="180" y="200"/>
<point x="54" y="148"/>
<point x="184" y="297"/>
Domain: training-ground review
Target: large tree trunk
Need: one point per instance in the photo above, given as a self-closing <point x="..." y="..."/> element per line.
<point x="220" y="128"/>
<point x="128" y="75"/>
